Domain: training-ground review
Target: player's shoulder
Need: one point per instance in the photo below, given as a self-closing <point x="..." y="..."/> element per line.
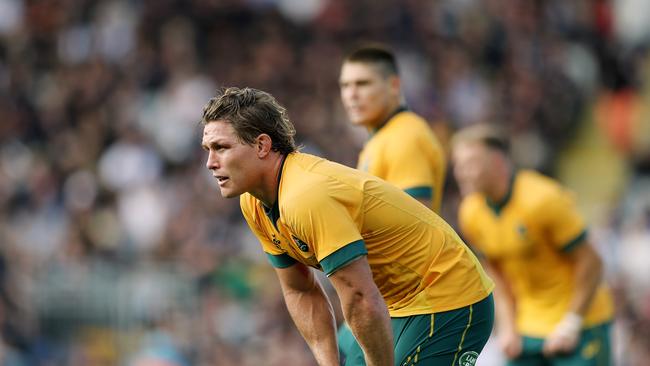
<point x="308" y="175"/>
<point x="409" y="126"/>
<point x="409" y="121"/>
<point x="537" y="185"/>
<point x="305" y="171"/>
<point x="536" y="192"/>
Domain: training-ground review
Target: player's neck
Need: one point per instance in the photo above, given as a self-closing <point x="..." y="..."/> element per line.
<point x="501" y="185"/>
<point x="391" y="111"/>
<point x="268" y="193"/>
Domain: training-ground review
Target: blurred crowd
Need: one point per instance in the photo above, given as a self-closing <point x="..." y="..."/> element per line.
<point x="115" y="245"/>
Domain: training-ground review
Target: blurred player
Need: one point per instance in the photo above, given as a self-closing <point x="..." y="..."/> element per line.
<point x="551" y="306"/>
<point x="410" y="289"/>
<point x="402" y="149"/>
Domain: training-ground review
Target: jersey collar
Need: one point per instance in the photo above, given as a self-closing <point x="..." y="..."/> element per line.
<point x="273" y="212"/>
<point x="399" y="109"/>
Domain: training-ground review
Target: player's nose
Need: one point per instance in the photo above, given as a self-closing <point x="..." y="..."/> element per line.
<point x="213" y="161"/>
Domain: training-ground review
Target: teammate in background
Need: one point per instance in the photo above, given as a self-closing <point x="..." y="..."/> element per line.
<point x="410" y="289"/>
<point x="402" y="149"/>
<point x="552" y="308"/>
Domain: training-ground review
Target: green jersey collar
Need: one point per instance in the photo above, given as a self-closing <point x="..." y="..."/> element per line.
<point x="273" y="213"/>
<point x="498" y="206"/>
<point x="399" y="109"/>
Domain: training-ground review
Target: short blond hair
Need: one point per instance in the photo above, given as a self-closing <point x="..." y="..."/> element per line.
<point x="490" y="135"/>
<point x="252" y="112"/>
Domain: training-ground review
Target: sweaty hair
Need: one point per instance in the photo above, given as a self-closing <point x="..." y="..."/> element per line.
<point x="491" y="136"/>
<point x="376" y="55"/>
<point x="252" y="112"/>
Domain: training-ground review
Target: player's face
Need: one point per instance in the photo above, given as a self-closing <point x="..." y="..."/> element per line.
<point x="233" y="163"/>
<point x="368" y="97"/>
<point x="472" y="167"/>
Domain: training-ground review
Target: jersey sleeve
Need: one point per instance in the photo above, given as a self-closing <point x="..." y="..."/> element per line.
<point x="562" y="222"/>
<point x="325" y="223"/>
<point x="276" y="256"/>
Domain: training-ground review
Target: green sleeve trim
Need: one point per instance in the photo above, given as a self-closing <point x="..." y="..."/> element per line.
<point x="420" y="192"/>
<point x="281" y="260"/>
<point x="575" y="242"/>
<point x="343" y="256"/>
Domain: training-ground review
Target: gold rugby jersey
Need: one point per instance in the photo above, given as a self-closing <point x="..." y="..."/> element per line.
<point x="406" y="153"/>
<point x="327" y="215"/>
<point x="528" y="235"/>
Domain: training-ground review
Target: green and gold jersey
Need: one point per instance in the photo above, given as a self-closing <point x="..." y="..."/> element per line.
<point x="406" y="153"/>
<point x="327" y="215"/>
<point x="528" y="235"/>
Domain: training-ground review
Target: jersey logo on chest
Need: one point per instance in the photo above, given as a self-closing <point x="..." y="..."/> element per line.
<point x="522" y="231"/>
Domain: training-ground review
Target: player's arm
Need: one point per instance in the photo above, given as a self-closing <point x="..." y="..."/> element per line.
<point x="566" y="230"/>
<point x="365" y="311"/>
<point x="505" y="306"/>
<point x="587" y="277"/>
<point x="311" y="311"/>
<point x="588" y="274"/>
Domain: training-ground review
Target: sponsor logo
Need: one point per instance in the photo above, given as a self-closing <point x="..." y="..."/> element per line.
<point x="301" y="244"/>
<point x="590" y="350"/>
<point x="468" y="359"/>
<point x="276" y="241"/>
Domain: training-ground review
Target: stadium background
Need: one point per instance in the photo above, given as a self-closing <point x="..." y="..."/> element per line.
<point x="115" y="246"/>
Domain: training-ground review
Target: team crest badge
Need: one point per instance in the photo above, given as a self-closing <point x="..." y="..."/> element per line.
<point x="521" y="229"/>
<point x="468" y="359"/>
<point x="301" y="244"/>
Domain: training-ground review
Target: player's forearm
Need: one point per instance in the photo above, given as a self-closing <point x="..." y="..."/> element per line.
<point x="588" y="274"/>
<point x="505" y="310"/>
<point x="369" y="321"/>
<point x="504" y="300"/>
<point x="312" y="313"/>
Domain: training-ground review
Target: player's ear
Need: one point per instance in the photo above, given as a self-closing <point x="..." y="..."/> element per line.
<point x="395" y="84"/>
<point x="263" y="145"/>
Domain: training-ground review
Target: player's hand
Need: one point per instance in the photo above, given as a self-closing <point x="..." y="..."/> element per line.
<point x="565" y="337"/>
<point x="510" y="343"/>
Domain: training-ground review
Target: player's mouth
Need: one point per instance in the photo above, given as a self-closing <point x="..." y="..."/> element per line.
<point x="221" y="179"/>
<point x="355" y="108"/>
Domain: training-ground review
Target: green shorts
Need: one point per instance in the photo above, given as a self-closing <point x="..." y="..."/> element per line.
<point x="594" y="349"/>
<point x="454" y="337"/>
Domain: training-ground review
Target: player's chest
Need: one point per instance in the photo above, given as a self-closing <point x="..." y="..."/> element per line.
<point x="284" y="239"/>
<point x="372" y="158"/>
<point x="507" y="235"/>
